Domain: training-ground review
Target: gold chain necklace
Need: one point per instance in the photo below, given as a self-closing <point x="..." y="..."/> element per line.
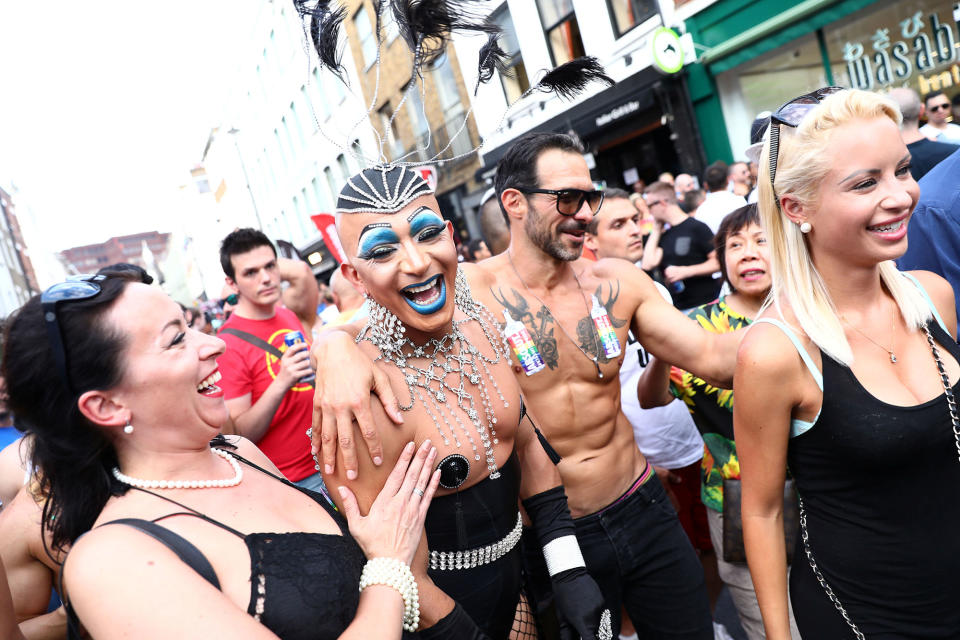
<point x="893" y="335"/>
<point x="543" y="304"/>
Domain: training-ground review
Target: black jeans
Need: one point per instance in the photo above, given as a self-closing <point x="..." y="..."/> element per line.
<point x="640" y="557"/>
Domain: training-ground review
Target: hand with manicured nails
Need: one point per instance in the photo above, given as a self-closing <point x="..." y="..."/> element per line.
<point x="343" y="396"/>
<point x="394" y="525"/>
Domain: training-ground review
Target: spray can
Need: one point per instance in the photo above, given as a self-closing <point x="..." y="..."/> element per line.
<point x="523" y="347"/>
<point x="296" y="337"/>
<point x="608" y="337"/>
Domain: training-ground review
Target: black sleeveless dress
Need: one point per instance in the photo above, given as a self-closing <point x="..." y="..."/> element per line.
<point x="881" y="487"/>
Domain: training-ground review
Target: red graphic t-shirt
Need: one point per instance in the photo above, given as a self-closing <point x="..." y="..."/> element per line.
<point x="249" y="369"/>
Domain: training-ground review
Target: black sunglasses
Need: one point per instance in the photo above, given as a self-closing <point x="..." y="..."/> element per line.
<point x="937" y="107"/>
<point x="792" y="113"/>
<point x="74" y="288"/>
<point x="570" y="201"/>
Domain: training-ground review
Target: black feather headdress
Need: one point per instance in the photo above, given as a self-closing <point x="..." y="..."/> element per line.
<point x="492" y="58"/>
<point x="426" y="25"/>
<point x="571" y="78"/>
<point x="325" y="22"/>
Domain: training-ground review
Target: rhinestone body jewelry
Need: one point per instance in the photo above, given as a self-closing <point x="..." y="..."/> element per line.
<point x="449" y="354"/>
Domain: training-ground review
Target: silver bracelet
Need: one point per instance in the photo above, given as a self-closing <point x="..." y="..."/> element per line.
<point x="395" y="573"/>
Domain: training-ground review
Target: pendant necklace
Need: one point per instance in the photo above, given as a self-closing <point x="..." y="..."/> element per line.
<point x="593" y="359"/>
<point x="893" y="334"/>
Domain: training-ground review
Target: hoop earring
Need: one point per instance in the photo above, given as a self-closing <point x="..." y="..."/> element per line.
<point x="805" y="227"/>
<point x="128" y="428"/>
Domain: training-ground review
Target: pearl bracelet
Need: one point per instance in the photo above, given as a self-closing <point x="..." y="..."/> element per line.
<point x="395" y="573"/>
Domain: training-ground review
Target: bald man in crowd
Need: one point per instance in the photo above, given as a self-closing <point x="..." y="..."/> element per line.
<point x="493" y="226"/>
<point x="925" y="154"/>
<point x="346" y="297"/>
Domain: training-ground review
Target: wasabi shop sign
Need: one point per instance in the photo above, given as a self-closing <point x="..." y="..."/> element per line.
<point x="915" y="46"/>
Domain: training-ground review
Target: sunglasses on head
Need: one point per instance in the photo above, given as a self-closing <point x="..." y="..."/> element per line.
<point x="792" y="113"/>
<point x="82" y="287"/>
<point x="570" y="201"/>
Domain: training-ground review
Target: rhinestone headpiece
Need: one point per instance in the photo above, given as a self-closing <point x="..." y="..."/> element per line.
<point x="382" y="189"/>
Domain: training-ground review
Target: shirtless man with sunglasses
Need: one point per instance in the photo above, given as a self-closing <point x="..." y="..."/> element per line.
<point x="631" y="539"/>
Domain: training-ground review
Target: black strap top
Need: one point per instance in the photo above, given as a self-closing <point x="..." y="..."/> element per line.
<point x="302" y="585"/>
<point x="879" y="483"/>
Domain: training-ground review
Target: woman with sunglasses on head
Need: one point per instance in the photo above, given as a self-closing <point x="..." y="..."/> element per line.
<point x="849" y="378"/>
<point x="176" y="532"/>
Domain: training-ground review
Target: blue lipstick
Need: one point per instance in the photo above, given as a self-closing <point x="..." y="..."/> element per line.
<point x="432" y="307"/>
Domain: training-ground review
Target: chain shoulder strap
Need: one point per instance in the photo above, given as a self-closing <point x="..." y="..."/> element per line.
<point x="805" y="534"/>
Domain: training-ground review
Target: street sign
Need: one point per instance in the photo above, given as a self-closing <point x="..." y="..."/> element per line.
<point x="667" y="50"/>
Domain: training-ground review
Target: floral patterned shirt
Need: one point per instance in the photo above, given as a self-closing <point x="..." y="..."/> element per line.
<point x="712" y="408"/>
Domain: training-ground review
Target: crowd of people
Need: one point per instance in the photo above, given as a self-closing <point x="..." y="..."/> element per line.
<point x="528" y="435"/>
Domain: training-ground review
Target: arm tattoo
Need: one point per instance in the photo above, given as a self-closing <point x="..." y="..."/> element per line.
<point x="540" y="327"/>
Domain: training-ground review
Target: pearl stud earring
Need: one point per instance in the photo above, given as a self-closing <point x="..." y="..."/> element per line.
<point x="805" y="227"/>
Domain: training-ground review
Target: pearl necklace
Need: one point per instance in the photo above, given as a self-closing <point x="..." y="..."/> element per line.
<point x="186" y="484"/>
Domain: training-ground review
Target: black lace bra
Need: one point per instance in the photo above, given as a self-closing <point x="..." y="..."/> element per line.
<point x="302" y="585"/>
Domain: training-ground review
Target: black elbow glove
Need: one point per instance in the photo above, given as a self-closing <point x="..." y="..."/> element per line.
<point x="456" y="624"/>
<point x="579" y="603"/>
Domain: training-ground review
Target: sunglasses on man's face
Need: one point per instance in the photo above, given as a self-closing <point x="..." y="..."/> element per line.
<point x="570" y="201"/>
<point x="792" y="113"/>
<point x="937" y="107"/>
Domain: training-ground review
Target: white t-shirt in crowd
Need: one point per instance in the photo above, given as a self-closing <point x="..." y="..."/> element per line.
<point x="950" y="135"/>
<point x="666" y="435"/>
<point x="716" y="207"/>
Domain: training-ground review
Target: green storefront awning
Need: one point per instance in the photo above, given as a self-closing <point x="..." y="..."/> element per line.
<point x="795" y="22"/>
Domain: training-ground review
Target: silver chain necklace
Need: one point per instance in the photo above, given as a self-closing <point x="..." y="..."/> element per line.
<point x="805" y="535"/>
<point x="449" y="354"/>
<point x="596" y="345"/>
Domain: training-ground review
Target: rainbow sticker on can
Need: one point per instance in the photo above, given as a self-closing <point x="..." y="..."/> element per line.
<point x="608" y="337"/>
<point x="523" y="347"/>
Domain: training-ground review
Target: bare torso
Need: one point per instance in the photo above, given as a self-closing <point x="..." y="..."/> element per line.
<point x="419" y="426"/>
<point x="578" y="411"/>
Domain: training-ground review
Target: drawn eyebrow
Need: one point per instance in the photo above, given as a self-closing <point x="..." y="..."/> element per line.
<point x="418" y="211"/>
<point x="374" y="225"/>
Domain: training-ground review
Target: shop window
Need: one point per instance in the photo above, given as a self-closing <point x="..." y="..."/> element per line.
<point x="453" y="110"/>
<point x="422" y="146"/>
<point x="561" y="29"/>
<point x="514" y="80"/>
<point x="388" y="129"/>
<point x="332" y="182"/>
<point x="627" y="14"/>
<point x="344" y="169"/>
<point x="368" y="41"/>
<point x="765" y="84"/>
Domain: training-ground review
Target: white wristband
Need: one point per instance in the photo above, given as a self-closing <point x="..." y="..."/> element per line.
<point x="396" y="574"/>
<point x="562" y="554"/>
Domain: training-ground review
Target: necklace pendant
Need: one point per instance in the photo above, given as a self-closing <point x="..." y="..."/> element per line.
<point x="893" y="358"/>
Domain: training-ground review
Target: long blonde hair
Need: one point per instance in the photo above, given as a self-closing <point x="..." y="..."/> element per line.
<point x="800" y="170"/>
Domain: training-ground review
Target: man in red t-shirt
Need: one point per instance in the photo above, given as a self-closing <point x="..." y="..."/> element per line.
<point x="264" y="394"/>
